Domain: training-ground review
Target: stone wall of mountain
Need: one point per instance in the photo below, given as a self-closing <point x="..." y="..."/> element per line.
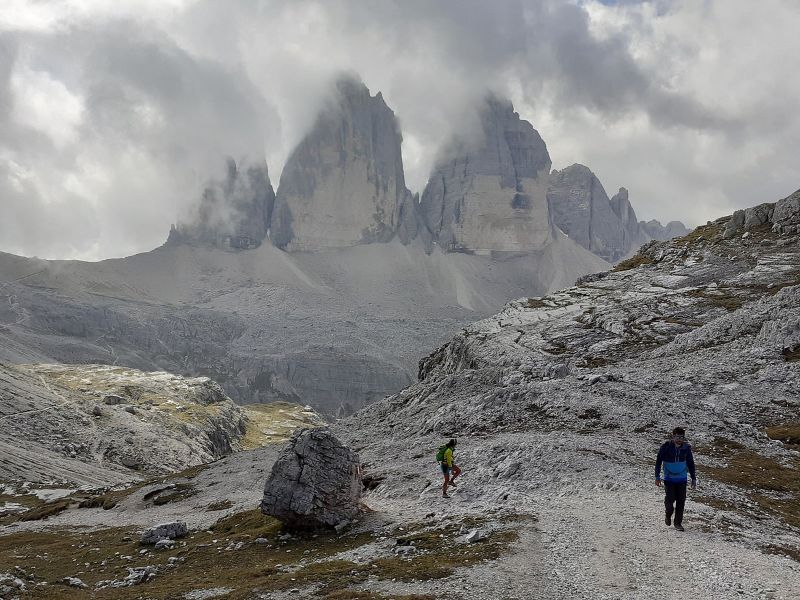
<point x="491" y="196"/>
<point x="344" y="185"/>
<point x="234" y="212"/>
<point x="581" y="208"/>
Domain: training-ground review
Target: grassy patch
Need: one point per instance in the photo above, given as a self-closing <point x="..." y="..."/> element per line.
<point x="210" y="559"/>
<point x="791" y="355"/>
<point x="721" y="297"/>
<point x="275" y="422"/>
<point x="633" y="262"/>
<point x="788" y="433"/>
<point x="535" y="303"/>
<point x="773" y="486"/>
<point x="221" y="505"/>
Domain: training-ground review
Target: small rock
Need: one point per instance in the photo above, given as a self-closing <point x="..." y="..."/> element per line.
<point x="172" y="530"/>
<point x="113" y="399"/>
<point x="165" y="544"/>
<point x="74" y="582"/>
<point x="476" y="535"/>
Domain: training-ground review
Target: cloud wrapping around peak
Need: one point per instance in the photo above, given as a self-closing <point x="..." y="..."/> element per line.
<point x="112" y="119"/>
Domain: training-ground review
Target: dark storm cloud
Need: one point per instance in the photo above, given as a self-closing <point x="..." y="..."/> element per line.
<point x="124" y="117"/>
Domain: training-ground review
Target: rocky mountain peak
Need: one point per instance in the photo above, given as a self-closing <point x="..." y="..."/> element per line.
<point x="233" y="212"/>
<point x="581" y="208"/>
<point x="490" y="195"/>
<point x="344" y="184"/>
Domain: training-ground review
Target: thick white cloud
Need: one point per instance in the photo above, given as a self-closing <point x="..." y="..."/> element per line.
<point x="112" y="115"/>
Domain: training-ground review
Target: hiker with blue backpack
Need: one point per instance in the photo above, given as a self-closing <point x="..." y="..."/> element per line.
<point x="450" y="470"/>
<point x="675" y="457"/>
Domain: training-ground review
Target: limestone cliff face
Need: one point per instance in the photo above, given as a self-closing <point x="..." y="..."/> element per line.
<point x="581" y="208"/>
<point x="632" y="234"/>
<point x="233" y="213"/>
<point x="344" y="184"/>
<point x="491" y="196"/>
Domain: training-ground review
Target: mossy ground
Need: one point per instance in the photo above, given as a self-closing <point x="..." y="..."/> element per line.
<point x="772" y="484"/>
<point x="204" y="560"/>
<point x="275" y="422"/>
<point x="635" y="261"/>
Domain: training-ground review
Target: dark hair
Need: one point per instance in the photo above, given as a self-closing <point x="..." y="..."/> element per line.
<point x="452" y="443"/>
<point x="679" y="431"/>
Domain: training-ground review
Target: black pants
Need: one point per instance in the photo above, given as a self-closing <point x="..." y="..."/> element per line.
<point x="675" y="493"/>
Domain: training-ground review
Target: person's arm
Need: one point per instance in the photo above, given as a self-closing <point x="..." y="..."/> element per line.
<point x="659" y="460"/>
<point x="690" y="464"/>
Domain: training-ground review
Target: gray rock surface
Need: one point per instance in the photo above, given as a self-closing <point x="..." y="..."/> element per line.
<point x="165" y="531"/>
<point x="233" y="213"/>
<point x="633" y="235"/>
<point x="316" y="482"/>
<point x="786" y="216"/>
<point x="52" y="430"/>
<point x="335" y="330"/>
<point x="489" y="194"/>
<point x="581" y="208"/>
<point x="344" y="184"/>
<point x="656" y="231"/>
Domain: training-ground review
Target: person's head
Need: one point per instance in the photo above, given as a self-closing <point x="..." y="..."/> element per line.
<point x="451" y="443"/>
<point x="679" y="435"/>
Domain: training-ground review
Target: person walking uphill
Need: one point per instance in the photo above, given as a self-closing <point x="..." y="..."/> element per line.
<point x="675" y="456"/>
<point x="450" y="470"/>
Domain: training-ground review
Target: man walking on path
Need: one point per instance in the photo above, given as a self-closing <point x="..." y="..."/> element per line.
<point x="676" y="458"/>
<point x="448" y="466"/>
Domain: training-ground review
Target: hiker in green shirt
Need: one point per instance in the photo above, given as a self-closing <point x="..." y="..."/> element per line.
<point x="450" y="470"/>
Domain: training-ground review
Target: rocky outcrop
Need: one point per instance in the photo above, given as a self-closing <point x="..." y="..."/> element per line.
<point x="782" y="217"/>
<point x="581" y="208"/>
<point x="233" y="213"/>
<point x="165" y="531"/>
<point x="315" y="483"/>
<point x="490" y="195"/>
<point x="344" y="183"/>
<point x="786" y="216"/>
<point x="102" y="425"/>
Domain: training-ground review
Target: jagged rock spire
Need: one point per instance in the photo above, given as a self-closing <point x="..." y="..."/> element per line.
<point x="491" y="195"/>
<point x="344" y="184"/>
<point x="234" y="212"/>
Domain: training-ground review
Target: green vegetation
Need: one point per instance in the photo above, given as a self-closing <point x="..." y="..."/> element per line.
<point x="772" y="485"/>
<point x="635" y="261"/>
<point x="207" y="559"/>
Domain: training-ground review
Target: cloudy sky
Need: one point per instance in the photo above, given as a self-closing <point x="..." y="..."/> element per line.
<point x="113" y="114"/>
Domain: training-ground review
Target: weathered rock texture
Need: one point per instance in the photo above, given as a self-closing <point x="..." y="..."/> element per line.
<point x="344" y="184"/>
<point x="491" y="195"/>
<point x="234" y="213"/>
<point x="581" y="208"/>
<point x="316" y="482"/>
<point x="165" y="531"/>
<point x="101" y="425"/>
<point x="632" y="234"/>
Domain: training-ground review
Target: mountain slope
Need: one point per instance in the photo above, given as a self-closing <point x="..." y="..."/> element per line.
<point x="560" y="403"/>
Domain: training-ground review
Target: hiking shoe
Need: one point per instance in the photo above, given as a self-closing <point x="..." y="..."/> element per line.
<point x="453" y="483"/>
<point x="668" y="520"/>
<point x="679" y="527"/>
<point x="444" y="495"/>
